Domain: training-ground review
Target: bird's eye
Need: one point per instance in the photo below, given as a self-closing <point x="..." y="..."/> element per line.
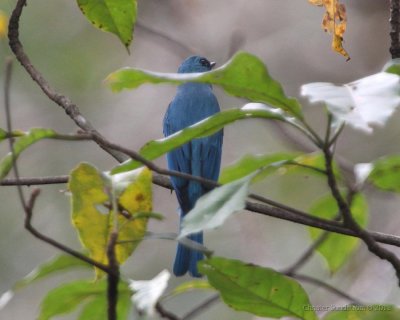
<point x="205" y="63"/>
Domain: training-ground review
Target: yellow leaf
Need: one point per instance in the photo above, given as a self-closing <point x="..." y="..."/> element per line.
<point x="88" y="195"/>
<point x="338" y="47"/>
<point x="3" y="24"/>
<point x="136" y="198"/>
<point x="334" y="22"/>
<point x="93" y="219"/>
<point x="317" y="2"/>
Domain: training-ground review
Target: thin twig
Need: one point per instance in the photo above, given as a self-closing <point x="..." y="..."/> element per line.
<point x="317" y="242"/>
<point x="34" y="181"/>
<point x="60" y="246"/>
<point x="165" y="313"/>
<point x="307" y="254"/>
<point x="326" y="286"/>
<point x="395" y="28"/>
<point x="200" y="308"/>
<point x="7" y="84"/>
<point x="183" y="49"/>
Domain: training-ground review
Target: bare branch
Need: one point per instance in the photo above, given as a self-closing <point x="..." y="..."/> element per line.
<point x="69" y="107"/>
<point x="54" y="243"/>
<point x="28" y="207"/>
<point x="10" y="139"/>
<point x="270" y="208"/>
<point x="395" y="28"/>
<point x="327" y="287"/>
<point x="182" y="49"/>
<point x="200" y="308"/>
<point x="165" y="313"/>
<point x="350" y="222"/>
<point x="307" y="254"/>
<point x="112" y="277"/>
<point x="34" y="181"/>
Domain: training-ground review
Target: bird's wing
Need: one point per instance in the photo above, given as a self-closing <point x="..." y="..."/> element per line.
<point x="200" y="157"/>
<point x="211" y="156"/>
<point x="178" y="160"/>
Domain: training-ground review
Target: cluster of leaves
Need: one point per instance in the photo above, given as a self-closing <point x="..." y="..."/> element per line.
<point x="120" y="200"/>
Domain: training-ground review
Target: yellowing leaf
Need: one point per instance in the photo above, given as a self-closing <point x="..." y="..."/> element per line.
<point x="334" y="22"/>
<point x="88" y="194"/>
<point x="94" y="221"/>
<point x="3" y="24"/>
<point x="136" y="198"/>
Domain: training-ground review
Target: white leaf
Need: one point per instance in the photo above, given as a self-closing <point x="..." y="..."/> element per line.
<point x="361" y="172"/>
<point x="212" y="209"/>
<point x="5" y="298"/>
<point x="361" y="104"/>
<point x="147" y="293"/>
<point x="121" y="181"/>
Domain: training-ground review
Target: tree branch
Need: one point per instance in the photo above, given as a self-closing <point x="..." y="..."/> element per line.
<point x="326" y="286"/>
<point x="201" y="307"/>
<point x="112" y="277"/>
<point x="28" y="207"/>
<point x="70" y="108"/>
<point x="165" y="313"/>
<point x="350" y="222"/>
<point x="395" y="28"/>
<point x="307" y="254"/>
<point x="288" y="214"/>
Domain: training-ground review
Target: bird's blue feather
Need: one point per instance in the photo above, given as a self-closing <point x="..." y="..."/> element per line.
<point x="200" y="157"/>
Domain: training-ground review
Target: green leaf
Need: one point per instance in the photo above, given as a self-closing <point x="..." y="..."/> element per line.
<point x="213" y="208"/>
<point x="189" y="286"/>
<point x="244" y="76"/>
<point x="392" y="66"/>
<point x="283" y="163"/>
<point x="34" y="135"/>
<point x="157" y="148"/>
<point x="96" y="309"/>
<point x="250" y="163"/>
<point x="115" y="16"/>
<point x="89" y="195"/>
<point x="58" y="263"/>
<point x="260" y="291"/>
<point x="385" y="174"/>
<point x="337" y="248"/>
<point x="369" y="312"/>
<point x="67" y="297"/>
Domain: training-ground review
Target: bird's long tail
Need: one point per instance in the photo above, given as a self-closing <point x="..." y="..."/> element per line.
<point x="186" y="259"/>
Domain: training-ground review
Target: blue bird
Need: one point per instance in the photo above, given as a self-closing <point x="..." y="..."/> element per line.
<point x="201" y="157"/>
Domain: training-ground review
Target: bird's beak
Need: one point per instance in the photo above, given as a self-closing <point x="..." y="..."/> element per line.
<point x="212" y="64"/>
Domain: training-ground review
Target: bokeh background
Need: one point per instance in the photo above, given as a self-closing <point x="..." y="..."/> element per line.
<point x="75" y="58"/>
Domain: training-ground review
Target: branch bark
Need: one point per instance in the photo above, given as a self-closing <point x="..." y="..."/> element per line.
<point x="350" y="222"/>
<point x="395" y="28"/>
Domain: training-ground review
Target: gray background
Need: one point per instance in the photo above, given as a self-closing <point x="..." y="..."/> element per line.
<point x="286" y="35"/>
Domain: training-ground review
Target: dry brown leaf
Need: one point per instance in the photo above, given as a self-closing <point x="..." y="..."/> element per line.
<point x="334" y="22"/>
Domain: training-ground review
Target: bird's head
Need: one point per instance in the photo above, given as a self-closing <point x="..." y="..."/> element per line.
<point x="195" y="64"/>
